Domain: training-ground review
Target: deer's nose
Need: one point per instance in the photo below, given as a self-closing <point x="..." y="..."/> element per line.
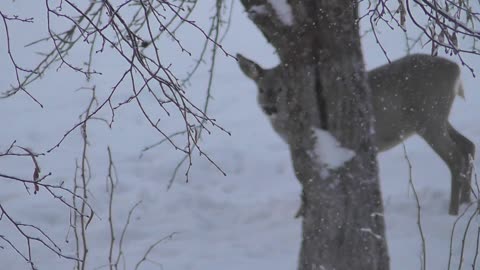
<point x="269" y="110"/>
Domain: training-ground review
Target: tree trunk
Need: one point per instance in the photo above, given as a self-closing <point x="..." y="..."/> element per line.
<point x="319" y="47"/>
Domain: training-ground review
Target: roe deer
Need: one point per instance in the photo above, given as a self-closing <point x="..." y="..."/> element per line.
<point x="411" y="95"/>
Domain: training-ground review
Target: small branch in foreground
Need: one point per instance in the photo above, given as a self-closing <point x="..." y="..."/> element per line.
<point x="150" y="249"/>
<point x="419" y="216"/>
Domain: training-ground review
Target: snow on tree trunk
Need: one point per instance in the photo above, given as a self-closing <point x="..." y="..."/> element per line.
<point x="319" y="47"/>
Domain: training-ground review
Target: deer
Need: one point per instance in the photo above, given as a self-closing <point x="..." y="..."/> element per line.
<point x="411" y="95"/>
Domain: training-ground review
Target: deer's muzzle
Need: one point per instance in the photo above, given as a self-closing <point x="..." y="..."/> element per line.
<point x="269" y="110"/>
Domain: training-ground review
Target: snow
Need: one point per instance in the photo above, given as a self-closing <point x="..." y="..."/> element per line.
<point x="369" y="231"/>
<point x="283" y="10"/>
<point x="329" y="151"/>
<point x="242" y="221"/>
<point x="459" y="88"/>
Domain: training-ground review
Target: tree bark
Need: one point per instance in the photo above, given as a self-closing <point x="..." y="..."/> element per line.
<point x="320" y="52"/>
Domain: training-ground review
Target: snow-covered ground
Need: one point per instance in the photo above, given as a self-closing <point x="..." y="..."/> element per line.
<point x="244" y="220"/>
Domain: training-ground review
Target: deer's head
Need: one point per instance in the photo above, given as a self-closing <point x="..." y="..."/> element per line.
<point x="271" y="88"/>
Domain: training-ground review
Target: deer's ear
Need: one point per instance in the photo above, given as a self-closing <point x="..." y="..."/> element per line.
<point x="249" y="68"/>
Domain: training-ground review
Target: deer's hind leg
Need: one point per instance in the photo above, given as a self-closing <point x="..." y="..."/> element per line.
<point x="468" y="151"/>
<point x="454" y="149"/>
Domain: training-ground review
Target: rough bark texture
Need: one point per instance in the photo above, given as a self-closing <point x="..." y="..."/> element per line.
<point x="343" y="224"/>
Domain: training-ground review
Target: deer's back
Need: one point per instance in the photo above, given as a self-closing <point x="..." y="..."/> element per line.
<point x="411" y="93"/>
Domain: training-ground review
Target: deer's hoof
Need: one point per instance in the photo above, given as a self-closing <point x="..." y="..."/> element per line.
<point x="465" y="198"/>
<point x="453" y="210"/>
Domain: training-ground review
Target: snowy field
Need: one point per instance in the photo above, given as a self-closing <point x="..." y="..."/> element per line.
<point x="244" y="220"/>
